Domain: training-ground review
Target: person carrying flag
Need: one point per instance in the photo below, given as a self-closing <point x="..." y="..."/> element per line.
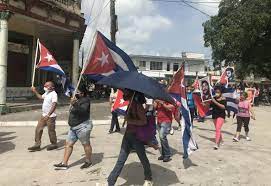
<point x="80" y="129"/>
<point x="219" y="105"/>
<point x="48" y="117"/>
<point x="114" y="119"/>
<point x="136" y="118"/>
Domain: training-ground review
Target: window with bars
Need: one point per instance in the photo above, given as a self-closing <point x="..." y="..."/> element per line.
<point x="156" y="65"/>
<point x="142" y="64"/>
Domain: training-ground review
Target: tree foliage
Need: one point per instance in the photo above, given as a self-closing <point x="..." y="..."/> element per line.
<point x="241" y="34"/>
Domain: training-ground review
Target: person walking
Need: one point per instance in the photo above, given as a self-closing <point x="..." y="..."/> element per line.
<point x="136" y="117"/>
<point x="190" y="103"/>
<point x="164" y="121"/>
<point x="218" y="105"/>
<point x="114" y="119"/>
<point x="243" y="117"/>
<point x="48" y="117"/>
<point x="80" y="129"/>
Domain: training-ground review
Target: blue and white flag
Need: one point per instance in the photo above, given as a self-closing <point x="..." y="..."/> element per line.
<point x="231" y="96"/>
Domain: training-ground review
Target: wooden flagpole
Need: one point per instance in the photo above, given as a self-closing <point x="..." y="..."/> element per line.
<point x="36" y="56"/>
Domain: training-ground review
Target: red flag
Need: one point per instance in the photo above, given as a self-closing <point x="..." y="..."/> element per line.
<point x="177" y="86"/>
<point x="202" y="110"/>
<point x="223" y="79"/>
<point x="101" y="60"/>
<point x="196" y="83"/>
<point x="120" y="105"/>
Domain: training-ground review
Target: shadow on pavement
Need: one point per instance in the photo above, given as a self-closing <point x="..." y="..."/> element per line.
<point x="96" y="159"/>
<point x="6" y="143"/>
<point x="133" y="173"/>
<point x="223" y="132"/>
<point x="188" y="163"/>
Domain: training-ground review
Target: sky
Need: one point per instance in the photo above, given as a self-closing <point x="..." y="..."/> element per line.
<point x="150" y="28"/>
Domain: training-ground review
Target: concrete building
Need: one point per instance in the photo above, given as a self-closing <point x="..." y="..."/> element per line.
<point x="161" y="67"/>
<point x="58" y="24"/>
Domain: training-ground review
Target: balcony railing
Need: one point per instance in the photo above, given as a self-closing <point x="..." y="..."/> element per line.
<point x="67" y="2"/>
<point x="4" y="1"/>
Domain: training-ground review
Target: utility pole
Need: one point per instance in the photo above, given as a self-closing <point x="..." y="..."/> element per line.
<point x="114" y="18"/>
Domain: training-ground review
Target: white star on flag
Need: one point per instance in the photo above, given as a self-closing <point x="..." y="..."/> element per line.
<point x="103" y="59"/>
<point x="122" y="101"/>
<point x="49" y="57"/>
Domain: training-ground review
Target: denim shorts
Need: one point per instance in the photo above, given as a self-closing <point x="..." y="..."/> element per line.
<point x="80" y="132"/>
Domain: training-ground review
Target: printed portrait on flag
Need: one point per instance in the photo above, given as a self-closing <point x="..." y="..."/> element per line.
<point x="230" y="74"/>
<point x="205" y="89"/>
<point x="251" y="92"/>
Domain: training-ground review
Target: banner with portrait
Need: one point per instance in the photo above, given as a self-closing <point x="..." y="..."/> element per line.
<point x="251" y="93"/>
<point x="205" y="89"/>
<point x="230" y="74"/>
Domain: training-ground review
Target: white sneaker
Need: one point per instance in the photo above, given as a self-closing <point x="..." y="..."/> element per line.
<point x="216" y="147"/>
<point x="148" y="183"/>
<point x="235" y="139"/>
<point x="248" y="139"/>
<point x="171" y="131"/>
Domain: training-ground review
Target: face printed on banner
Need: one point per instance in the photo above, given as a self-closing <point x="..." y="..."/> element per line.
<point x="205" y="87"/>
<point x="230" y="74"/>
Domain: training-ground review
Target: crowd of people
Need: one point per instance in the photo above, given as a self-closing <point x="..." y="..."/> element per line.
<point x="144" y="117"/>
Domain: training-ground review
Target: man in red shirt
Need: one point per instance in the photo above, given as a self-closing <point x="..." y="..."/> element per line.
<point x="164" y="120"/>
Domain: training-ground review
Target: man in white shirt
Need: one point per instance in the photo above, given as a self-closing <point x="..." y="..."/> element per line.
<point x="48" y="117"/>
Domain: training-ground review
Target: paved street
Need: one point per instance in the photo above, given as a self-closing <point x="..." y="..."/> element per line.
<point x="243" y="163"/>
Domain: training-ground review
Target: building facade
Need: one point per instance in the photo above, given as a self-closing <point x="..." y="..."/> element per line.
<point x="58" y="24"/>
<point x="161" y="67"/>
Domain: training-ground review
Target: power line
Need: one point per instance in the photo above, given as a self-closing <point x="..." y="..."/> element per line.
<point x="188" y="3"/>
<point x="90" y="11"/>
<point x="195" y="8"/>
<point x="194" y="2"/>
<point x="98" y="15"/>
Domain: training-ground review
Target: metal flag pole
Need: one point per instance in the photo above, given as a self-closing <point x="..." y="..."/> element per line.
<point x="35" y="65"/>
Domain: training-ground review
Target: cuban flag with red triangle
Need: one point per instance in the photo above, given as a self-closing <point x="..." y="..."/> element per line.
<point x="120" y="106"/>
<point x="178" y="89"/>
<point x="47" y="61"/>
<point x="105" y="59"/>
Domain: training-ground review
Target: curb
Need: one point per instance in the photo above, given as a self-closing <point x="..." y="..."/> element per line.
<point x="58" y="123"/>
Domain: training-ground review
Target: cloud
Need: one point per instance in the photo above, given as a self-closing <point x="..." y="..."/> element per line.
<point x="138" y="20"/>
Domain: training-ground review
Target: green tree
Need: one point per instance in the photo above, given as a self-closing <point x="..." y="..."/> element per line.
<point x="241" y="34"/>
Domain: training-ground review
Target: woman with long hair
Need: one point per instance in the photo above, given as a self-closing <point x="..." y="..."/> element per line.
<point x="136" y="118"/>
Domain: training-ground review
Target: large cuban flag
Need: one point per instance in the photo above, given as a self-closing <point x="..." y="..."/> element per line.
<point x="105" y="59"/>
<point x="178" y="88"/>
<point x="47" y="61"/>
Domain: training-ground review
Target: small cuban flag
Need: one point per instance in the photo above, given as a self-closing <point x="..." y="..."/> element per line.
<point x="120" y="106"/>
<point x="47" y="62"/>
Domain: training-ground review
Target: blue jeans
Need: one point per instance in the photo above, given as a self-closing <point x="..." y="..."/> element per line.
<point x="130" y="142"/>
<point x="164" y="130"/>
